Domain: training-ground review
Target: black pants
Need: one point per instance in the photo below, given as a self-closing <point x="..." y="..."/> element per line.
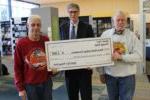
<point x="79" y="80"/>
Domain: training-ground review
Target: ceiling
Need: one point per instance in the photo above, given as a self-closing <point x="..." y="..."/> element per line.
<point x="45" y="1"/>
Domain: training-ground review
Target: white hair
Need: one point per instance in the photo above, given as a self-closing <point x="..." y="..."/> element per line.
<point x="119" y="13"/>
<point x="33" y="17"/>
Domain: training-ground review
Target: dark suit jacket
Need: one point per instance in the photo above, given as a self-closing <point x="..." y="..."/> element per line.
<point x="84" y="31"/>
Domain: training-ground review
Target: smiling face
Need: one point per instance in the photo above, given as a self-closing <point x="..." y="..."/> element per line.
<point x="119" y="22"/>
<point x="34" y="27"/>
<point x="73" y="11"/>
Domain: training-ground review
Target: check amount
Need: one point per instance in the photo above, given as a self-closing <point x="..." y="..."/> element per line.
<point x="79" y="53"/>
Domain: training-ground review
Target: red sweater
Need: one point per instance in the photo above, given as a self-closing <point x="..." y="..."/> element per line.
<point x="28" y="53"/>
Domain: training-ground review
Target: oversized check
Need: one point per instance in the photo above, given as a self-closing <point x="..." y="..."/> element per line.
<point x="79" y="53"/>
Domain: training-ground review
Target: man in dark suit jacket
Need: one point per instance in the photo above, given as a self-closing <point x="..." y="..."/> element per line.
<point x="80" y="79"/>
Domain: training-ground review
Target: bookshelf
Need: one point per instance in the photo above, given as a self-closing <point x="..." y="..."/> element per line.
<point x="5" y="28"/>
<point x="18" y="30"/>
<point x="100" y="24"/>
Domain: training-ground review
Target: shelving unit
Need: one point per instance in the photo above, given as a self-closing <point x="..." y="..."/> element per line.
<point x="10" y="32"/>
<point x="5" y="27"/>
<point x="100" y="24"/>
<point x="18" y="30"/>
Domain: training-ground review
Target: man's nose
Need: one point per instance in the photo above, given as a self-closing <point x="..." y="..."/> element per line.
<point x="72" y="14"/>
<point x="120" y="21"/>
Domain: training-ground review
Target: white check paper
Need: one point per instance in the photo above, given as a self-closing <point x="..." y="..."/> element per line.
<point x="79" y="53"/>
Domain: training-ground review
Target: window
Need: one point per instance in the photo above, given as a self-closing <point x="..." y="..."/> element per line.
<point x="4" y="15"/>
<point x="3" y="2"/>
<point x="22" y="9"/>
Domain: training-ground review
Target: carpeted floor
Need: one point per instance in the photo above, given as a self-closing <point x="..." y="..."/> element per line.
<point x="8" y="91"/>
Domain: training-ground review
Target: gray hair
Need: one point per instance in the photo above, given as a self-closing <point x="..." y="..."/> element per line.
<point x="73" y="5"/>
<point x="119" y="13"/>
<point x="32" y="17"/>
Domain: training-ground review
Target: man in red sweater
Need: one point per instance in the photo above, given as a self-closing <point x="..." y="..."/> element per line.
<point x="32" y="79"/>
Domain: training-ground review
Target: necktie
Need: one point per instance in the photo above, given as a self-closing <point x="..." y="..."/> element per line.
<point x="73" y="32"/>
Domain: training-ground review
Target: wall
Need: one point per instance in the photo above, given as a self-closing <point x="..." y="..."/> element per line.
<point x="135" y="18"/>
<point x="99" y="8"/>
<point x="148" y="17"/>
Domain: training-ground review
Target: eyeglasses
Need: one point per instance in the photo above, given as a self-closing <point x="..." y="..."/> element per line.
<point x="73" y="12"/>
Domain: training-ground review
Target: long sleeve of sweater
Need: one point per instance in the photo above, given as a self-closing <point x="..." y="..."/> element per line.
<point x="135" y="51"/>
<point x="18" y="69"/>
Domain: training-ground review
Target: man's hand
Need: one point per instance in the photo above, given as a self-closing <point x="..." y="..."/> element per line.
<point x="23" y="95"/>
<point x="54" y="70"/>
<point x="103" y="78"/>
<point x="89" y="68"/>
<point x="116" y="56"/>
